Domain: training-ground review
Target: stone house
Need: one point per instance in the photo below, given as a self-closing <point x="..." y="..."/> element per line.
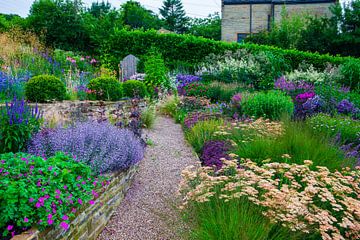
<point x="245" y="17"/>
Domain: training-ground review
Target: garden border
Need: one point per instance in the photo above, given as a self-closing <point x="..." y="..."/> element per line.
<point x="93" y="219"/>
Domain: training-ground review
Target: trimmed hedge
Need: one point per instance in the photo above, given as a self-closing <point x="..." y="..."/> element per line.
<point x="134" y="88"/>
<point x="44" y="88"/>
<point x="188" y="50"/>
<point x="105" y="88"/>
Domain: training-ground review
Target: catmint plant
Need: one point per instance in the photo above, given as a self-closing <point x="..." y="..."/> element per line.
<point x="101" y="145"/>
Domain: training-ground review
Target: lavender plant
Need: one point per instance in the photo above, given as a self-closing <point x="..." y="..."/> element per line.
<point x="101" y="145"/>
<point x="213" y="152"/>
<point x="183" y="80"/>
<point x="18" y="122"/>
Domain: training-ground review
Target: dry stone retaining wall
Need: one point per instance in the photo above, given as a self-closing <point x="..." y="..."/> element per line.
<point x="92" y="220"/>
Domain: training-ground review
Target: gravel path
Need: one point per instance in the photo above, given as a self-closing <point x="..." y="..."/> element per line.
<point x="148" y="210"/>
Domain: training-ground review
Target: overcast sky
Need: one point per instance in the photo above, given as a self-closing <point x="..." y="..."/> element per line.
<point x="194" y="8"/>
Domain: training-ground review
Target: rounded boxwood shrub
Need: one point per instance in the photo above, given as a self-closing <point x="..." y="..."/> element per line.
<point x="272" y="105"/>
<point x="134" y="88"/>
<point x="44" y="88"/>
<point x="105" y="88"/>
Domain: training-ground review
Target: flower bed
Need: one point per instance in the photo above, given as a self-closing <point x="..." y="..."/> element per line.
<point x="90" y="222"/>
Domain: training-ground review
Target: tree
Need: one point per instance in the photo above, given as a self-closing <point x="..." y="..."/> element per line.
<point x="60" y="23"/>
<point x="174" y="16"/>
<point x="136" y="16"/>
<point x="209" y="27"/>
<point x="99" y="9"/>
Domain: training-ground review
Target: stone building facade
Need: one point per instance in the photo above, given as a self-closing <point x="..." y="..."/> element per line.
<point x="241" y="18"/>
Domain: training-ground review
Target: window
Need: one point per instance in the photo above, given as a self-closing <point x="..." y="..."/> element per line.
<point x="241" y="37"/>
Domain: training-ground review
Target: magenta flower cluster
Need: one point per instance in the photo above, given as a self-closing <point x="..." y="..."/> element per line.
<point x="43" y="192"/>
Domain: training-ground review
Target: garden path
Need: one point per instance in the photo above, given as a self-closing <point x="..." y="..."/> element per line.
<point x="148" y="211"/>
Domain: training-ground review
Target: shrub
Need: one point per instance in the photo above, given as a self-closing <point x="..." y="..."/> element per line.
<point x="196" y="89"/>
<point x="134" y="88"/>
<point x="300" y="192"/>
<point x="102" y="146"/>
<point x="193" y="103"/>
<point x="106" y="88"/>
<point x="221" y="92"/>
<point x="43" y="193"/>
<point x="350" y="74"/>
<point x="212" y="153"/>
<point x="272" y="105"/>
<point x="18" y="121"/>
<point x="44" y="88"/>
<point x="156" y="73"/>
<point x="179" y="50"/>
<point x="202" y="132"/>
<point x="348" y="130"/>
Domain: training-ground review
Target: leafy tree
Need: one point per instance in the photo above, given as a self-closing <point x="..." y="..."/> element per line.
<point x="174" y="16"/>
<point x="135" y="16"/>
<point x="100" y="9"/>
<point x="209" y="27"/>
<point x="60" y="22"/>
<point x="100" y="20"/>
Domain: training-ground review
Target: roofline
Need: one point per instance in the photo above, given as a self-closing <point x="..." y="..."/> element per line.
<point x="288" y="2"/>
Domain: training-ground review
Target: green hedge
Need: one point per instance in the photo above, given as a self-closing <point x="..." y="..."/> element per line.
<point x="188" y="51"/>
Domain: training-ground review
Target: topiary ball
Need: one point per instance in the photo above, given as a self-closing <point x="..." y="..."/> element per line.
<point x="44" y="88"/>
<point x="106" y="88"/>
<point x="134" y="88"/>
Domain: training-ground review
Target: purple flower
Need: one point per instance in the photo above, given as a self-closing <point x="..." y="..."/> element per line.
<point x="26" y="219"/>
<point x="65" y="217"/>
<point x="101" y="145"/>
<point x="303" y="97"/>
<point x="346" y="107"/>
<point x="213" y="151"/>
<point x="80" y="201"/>
<point x="10" y="227"/>
<point x="31" y="199"/>
<point x="91" y="202"/>
<point x="50" y="221"/>
<point x="64" y="225"/>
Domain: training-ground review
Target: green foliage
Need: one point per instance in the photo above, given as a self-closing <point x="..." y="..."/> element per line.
<point x="106" y="88"/>
<point x="202" y="132"/>
<point x="135" y="16"/>
<point x="174" y="16"/>
<point x="209" y="27"/>
<point x="332" y="126"/>
<point x="148" y="117"/>
<point x="272" y="105"/>
<point x="350" y="74"/>
<point x="300" y="143"/>
<point x="31" y="185"/>
<point x="237" y="219"/>
<point x="60" y="22"/>
<point x="307" y="33"/>
<point x="190" y="50"/>
<point x="170" y="106"/>
<point x="44" y="88"/>
<point x="156" y="73"/>
<point x="134" y="88"/>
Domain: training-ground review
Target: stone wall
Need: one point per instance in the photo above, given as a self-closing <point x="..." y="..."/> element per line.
<point x="92" y="220"/>
<point x="236" y="18"/>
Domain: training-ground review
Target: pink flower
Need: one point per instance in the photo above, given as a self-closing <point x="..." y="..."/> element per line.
<point x="83" y="182"/>
<point x="31" y="199"/>
<point x="65" y="187"/>
<point x="82" y="59"/>
<point x="50" y="216"/>
<point x="58" y="191"/>
<point x="57" y="196"/>
<point x="73" y="210"/>
<point x="80" y="201"/>
<point x="65" y="217"/>
<point x="10" y="227"/>
<point x="50" y="221"/>
<point x="26" y="219"/>
<point x="93" y="61"/>
<point x="91" y="202"/>
<point x="50" y="168"/>
<point x="64" y="225"/>
<point x="37" y="205"/>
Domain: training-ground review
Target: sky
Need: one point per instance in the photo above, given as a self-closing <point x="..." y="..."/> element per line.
<point x="194" y="8"/>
